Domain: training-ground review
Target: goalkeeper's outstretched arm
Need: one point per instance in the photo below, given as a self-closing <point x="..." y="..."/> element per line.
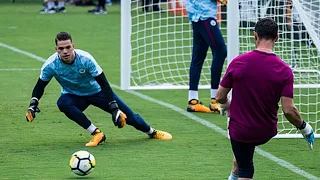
<point x="37" y="93"/>
<point x="118" y="117"/>
<point x="38" y="89"/>
<point x="105" y="86"/>
<point x="292" y="114"/>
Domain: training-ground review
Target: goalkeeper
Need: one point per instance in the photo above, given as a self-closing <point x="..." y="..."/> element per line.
<point x="206" y="33"/>
<point x="259" y="80"/>
<point x="84" y="83"/>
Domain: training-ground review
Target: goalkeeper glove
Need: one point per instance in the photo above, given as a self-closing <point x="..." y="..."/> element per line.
<point x="118" y="117"/>
<point x="223" y="2"/>
<point x="307" y="132"/>
<point x="33" y="108"/>
<point x="224" y="108"/>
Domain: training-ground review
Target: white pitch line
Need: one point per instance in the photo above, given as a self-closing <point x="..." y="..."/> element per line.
<point x="204" y="122"/>
<point x="22" y="52"/>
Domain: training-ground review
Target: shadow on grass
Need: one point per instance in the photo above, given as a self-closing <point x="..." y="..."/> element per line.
<point x="81" y="177"/>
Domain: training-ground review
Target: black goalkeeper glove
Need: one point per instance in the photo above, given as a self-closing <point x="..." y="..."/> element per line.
<point x="33" y="108"/>
<point x="119" y="118"/>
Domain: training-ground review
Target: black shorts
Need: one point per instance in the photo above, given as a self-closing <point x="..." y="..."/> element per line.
<point x="243" y="153"/>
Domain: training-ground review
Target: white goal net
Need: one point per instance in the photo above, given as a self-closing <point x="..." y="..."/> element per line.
<point x="156" y="47"/>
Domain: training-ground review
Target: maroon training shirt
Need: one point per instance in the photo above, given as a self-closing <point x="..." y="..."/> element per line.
<point x="258" y="80"/>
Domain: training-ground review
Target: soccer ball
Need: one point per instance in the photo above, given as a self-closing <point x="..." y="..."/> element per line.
<point x="82" y="163"/>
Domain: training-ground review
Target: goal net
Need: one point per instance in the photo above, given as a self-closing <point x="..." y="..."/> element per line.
<point x="156" y="47"/>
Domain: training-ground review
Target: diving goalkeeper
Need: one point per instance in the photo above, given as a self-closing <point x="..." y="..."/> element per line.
<point x="259" y="80"/>
<point x="84" y="83"/>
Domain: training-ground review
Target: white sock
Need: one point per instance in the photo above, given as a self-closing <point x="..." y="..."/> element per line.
<point x="213" y="93"/>
<point x="233" y="176"/>
<point x="60" y="4"/>
<point x="91" y="128"/>
<point x="193" y="95"/>
<point x="150" y="131"/>
<point x="50" y="5"/>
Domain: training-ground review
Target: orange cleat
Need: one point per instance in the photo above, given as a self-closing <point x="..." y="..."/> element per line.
<point x="196" y="106"/>
<point x="161" y="135"/>
<point x="98" y="137"/>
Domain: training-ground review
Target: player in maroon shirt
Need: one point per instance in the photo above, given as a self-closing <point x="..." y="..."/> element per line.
<point x="259" y="80"/>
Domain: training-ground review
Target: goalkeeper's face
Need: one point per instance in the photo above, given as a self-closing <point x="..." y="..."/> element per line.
<point x="65" y="49"/>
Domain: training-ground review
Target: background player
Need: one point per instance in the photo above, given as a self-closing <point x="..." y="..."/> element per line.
<point x="100" y="8"/>
<point x="52" y="7"/>
<point x="206" y="32"/>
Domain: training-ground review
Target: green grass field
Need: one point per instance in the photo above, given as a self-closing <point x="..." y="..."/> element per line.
<point x="41" y="150"/>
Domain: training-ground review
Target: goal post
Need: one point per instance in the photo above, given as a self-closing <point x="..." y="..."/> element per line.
<point x="125" y="61"/>
<point x="156" y="47"/>
<point x="233" y="48"/>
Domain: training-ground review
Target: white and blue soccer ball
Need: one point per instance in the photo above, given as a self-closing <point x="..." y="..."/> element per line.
<point x="82" y="163"/>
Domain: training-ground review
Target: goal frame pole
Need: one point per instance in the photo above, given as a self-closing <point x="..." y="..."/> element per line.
<point x="125" y="65"/>
<point x="232" y="30"/>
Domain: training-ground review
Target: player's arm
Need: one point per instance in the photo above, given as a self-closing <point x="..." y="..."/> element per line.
<point x="105" y="86"/>
<point x="224" y="88"/>
<point x="290" y="111"/>
<point x="118" y="117"/>
<point x="222" y="94"/>
<point x="222" y="98"/>
<point x="292" y="114"/>
<point x="37" y="93"/>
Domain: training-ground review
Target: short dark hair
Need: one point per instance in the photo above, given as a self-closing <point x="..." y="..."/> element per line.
<point x="62" y="36"/>
<point x="267" y="29"/>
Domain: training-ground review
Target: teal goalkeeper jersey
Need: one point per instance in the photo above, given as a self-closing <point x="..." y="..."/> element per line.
<point x="76" y="78"/>
<point x="201" y="9"/>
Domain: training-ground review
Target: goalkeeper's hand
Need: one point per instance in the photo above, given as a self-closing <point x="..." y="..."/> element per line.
<point x="224" y="108"/>
<point x="308" y="134"/>
<point x="119" y="118"/>
<point x="32" y="110"/>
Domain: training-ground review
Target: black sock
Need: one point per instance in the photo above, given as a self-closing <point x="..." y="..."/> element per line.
<point x="102" y="4"/>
